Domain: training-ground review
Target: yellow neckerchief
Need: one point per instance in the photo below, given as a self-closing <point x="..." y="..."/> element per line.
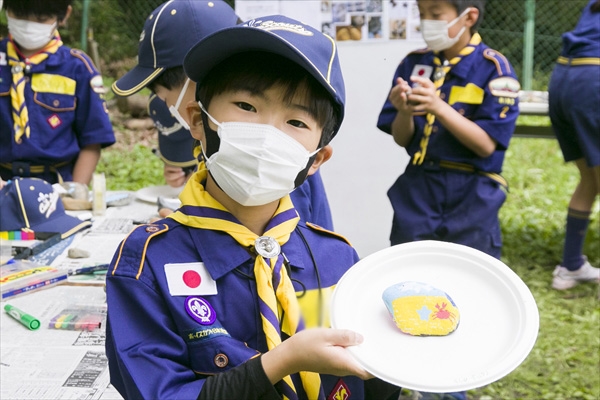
<point x="438" y="79"/>
<point x="277" y="298"/>
<point x="17" y="89"/>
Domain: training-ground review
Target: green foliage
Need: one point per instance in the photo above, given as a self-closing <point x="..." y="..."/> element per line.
<point x="132" y="169"/>
<point x="534" y="214"/>
<point x="565" y="361"/>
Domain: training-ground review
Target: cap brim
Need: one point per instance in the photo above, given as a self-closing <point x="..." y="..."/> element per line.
<point x="214" y="49"/>
<point x="135" y="80"/>
<point x="66" y="225"/>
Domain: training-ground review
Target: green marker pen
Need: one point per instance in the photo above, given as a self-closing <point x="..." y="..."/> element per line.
<point x="29" y="321"/>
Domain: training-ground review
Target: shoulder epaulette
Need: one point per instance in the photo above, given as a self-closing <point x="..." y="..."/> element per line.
<point x="502" y="65"/>
<point x="87" y="61"/>
<point x="318" y="228"/>
<point x="132" y="250"/>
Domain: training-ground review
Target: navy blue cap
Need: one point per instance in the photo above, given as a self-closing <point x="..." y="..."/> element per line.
<point x="175" y="143"/>
<point x="294" y="40"/>
<point x="169" y="32"/>
<point x="32" y="203"/>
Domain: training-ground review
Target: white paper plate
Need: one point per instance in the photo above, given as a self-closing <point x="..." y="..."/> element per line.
<point x="151" y="193"/>
<point x="499" y="319"/>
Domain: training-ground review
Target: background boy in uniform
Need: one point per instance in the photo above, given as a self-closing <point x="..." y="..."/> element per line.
<point x="160" y="58"/>
<point x="218" y="317"/>
<point x="161" y="51"/>
<point x="455" y="127"/>
<point x="176" y="148"/>
<point x="175" y="144"/>
<point x="53" y="118"/>
<point x="574" y="100"/>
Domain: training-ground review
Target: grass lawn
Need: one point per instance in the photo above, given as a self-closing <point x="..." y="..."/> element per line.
<point x="565" y="362"/>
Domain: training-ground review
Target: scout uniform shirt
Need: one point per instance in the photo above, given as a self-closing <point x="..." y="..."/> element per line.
<point x="66" y="112"/>
<point x="183" y="305"/>
<point x="483" y="87"/>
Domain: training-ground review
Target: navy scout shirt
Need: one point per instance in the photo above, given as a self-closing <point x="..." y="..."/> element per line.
<point x="483" y="87"/>
<point x="158" y="347"/>
<point x="63" y="95"/>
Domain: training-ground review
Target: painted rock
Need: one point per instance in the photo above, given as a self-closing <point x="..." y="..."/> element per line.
<point x="420" y="309"/>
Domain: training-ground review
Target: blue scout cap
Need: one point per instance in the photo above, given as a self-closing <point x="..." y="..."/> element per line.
<point x="32" y="203"/>
<point x="169" y="32"/>
<point x="175" y="143"/>
<point x="294" y="40"/>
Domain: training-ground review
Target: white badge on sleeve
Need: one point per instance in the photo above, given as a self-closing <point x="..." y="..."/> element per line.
<point x="187" y="279"/>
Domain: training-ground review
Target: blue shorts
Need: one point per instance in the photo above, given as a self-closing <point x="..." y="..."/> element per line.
<point x="447" y="205"/>
<point x="574" y="101"/>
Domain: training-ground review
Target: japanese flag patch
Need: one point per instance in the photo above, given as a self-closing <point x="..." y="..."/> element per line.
<point x="188" y="279"/>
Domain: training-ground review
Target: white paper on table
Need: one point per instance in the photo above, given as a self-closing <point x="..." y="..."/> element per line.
<point x="51" y="363"/>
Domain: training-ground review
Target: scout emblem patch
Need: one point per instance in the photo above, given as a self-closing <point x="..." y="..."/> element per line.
<point x="200" y="310"/>
<point x="340" y="391"/>
<point x="54" y="121"/>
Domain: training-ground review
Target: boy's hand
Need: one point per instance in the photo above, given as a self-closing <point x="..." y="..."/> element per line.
<point x="423" y="97"/>
<point x="399" y="96"/>
<point x="174" y="176"/>
<point x="318" y="350"/>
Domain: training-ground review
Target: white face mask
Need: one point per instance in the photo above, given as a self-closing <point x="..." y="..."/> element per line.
<point x="30" y="35"/>
<point x="256" y="163"/>
<point x="175" y="109"/>
<point x="435" y="33"/>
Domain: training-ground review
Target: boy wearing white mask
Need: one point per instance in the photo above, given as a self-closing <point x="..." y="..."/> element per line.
<point x="237" y="309"/>
<point x="161" y="49"/>
<point x="160" y="58"/>
<point x="53" y="118"/>
<point x="453" y="107"/>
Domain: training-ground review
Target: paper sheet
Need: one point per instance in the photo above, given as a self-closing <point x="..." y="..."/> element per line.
<point x="51" y="363"/>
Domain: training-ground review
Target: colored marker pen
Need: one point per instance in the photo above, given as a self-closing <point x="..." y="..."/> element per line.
<point x="29" y="321"/>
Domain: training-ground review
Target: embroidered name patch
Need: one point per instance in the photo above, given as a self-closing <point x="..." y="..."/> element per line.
<point x="204" y="334"/>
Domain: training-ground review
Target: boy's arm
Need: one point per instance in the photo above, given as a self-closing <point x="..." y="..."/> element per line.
<point x="92" y="123"/>
<point x="465" y="131"/>
<point x="317" y="350"/>
<point x="86" y="164"/>
<point x="403" y="126"/>
<point x="248" y="378"/>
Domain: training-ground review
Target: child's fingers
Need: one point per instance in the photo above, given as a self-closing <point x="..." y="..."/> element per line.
<point x="345" y="337"/>
<point x="423" y="82"/>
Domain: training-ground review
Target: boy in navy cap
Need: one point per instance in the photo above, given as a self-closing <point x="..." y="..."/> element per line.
<point x="160" y="58"/>
<point x="175" y="149"/>
<point x="223" y="314"/>
<point x="53" y="118"/>
<point x="161" y="51"/>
